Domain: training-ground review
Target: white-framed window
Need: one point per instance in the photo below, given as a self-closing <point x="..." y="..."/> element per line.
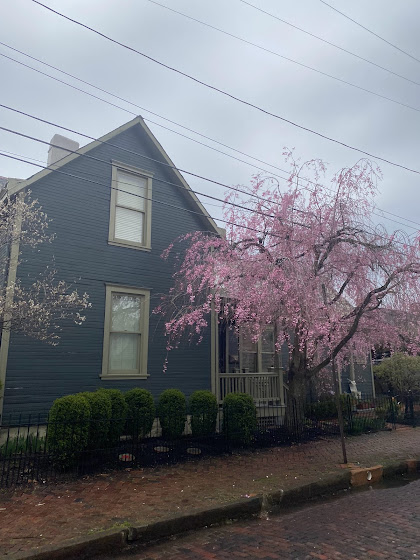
<point x="131" y="207"/>
<point x="126" y="332"/>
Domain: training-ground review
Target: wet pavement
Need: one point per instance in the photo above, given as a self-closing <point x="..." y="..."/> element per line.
<point x="375" y="524"/>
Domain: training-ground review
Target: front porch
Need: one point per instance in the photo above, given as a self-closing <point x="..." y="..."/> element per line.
<point x="243" y="365"/>
<point x="266" y="388"/>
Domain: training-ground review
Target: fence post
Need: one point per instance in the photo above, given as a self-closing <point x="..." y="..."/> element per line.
<point x="411" y="409"/>
<point x="392" y="409"/>
<point x="339" y="411"/>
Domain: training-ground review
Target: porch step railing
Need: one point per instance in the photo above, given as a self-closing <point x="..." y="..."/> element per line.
<point x="263" y="387"/>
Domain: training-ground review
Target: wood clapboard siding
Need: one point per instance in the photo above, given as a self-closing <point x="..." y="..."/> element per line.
<point x="38" y="373"/>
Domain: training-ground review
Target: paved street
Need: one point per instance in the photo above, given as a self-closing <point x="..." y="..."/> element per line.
<point x="51" y="514"/>
<point x="368" y="525"/>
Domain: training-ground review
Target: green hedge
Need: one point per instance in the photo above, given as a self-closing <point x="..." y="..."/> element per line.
<point x="203" y="410"/>
<point x="68" y="428"/>
<point x="172" y="412"/>
<point x="118" y="414"/>
<point x="141" y="412"/>
<point x="326" y="407"/>
<point x="239" y="418"/>
<point x="357" y="426"/>
<point x="100" y="418"/>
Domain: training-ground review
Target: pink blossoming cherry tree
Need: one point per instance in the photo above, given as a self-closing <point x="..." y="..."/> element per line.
<point x="311" y="261"/>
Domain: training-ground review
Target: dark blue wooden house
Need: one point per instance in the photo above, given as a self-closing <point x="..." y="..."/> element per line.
<point x="115" y="205"/>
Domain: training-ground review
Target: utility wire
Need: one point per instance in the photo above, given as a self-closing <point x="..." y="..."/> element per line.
<point x="165" y="164"/>
<point x="21" y="134"/>
<point x="143" y="109"/>
<point x="287" y="58"/>
<point x="104" y="178"/>
<point x="371" y="32"/>
<point x="218" y="183"/>
<point x="145" y="197"/>
<point x="258" y="212"/>
<point x="138" y="107"/>
<point x="324" y="40"/>
<point x="177" y="207"/>
<point x="154" y="122"/>
<point x="174" y="206"/>
<point x="227" y="94"/>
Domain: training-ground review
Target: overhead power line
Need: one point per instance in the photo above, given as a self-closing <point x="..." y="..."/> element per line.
<point x="234" y="204"/>
<point x="72" y="175"/>
<point x="227" y="94"/>
<point x="157" y="124"/>
<point x="159" y="162"/>
<point x="218" y="183"/>
<point x="327" y="42"/>
<point x="371" y="32"/>
<point x="290" y="59"/>
<point x="110" y="187"/>
<point x="90" y="84"/>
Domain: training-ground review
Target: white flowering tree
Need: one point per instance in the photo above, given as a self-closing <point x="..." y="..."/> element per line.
<point x="37" y="310"/>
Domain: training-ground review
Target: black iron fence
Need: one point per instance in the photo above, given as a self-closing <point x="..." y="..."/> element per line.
<point x="35" y="449"/>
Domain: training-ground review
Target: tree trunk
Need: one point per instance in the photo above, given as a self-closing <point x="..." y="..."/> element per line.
<point x="296" y="401"/>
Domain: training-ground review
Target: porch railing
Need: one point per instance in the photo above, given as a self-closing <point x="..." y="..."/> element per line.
<point x="263" y="387"/>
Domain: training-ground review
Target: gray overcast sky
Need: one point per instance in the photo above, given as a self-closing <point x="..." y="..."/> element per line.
<point x="345" y="113"/>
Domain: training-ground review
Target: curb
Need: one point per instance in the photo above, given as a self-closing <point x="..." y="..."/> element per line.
<point x="82" y="547"/>
<point x="114" y="541"/>
<point x="195" y="520"/>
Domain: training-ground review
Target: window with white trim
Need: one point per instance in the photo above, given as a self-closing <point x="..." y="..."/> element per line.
<point x="126" y="332"/>
<point x="131" y="207"/>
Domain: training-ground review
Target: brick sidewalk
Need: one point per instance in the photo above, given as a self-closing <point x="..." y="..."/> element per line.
<point x="45" y="515"/>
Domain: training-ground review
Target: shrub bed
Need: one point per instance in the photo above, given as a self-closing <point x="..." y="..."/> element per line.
<point x="326" y="407"/>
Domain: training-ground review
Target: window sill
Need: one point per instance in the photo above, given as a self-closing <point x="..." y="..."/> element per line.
<point x="129" y="246"/>
<point x="122" y="376"/>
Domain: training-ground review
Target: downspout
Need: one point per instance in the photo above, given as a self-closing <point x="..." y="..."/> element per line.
<point x="10" y="292"/>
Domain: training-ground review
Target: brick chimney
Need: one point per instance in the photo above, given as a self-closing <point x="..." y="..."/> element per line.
<point x="61" y="148"/>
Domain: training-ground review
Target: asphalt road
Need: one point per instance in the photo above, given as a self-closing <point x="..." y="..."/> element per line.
<point x="372" y="524"/>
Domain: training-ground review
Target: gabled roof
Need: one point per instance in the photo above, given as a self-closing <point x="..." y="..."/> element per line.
<point x="16" y="186"/>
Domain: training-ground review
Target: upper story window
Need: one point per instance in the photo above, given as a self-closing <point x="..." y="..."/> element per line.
<point x="131" y="207"/>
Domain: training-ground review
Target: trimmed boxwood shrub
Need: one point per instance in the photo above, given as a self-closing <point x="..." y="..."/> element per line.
<point x="239" y="418"/>
<point x="172" y="412"/>
<point x="100" y="418"/>
<point x="68" y="428"/>
<point x="118" y="414"/>
<point x="203" y="410"/>
<point x="141" y="412"/>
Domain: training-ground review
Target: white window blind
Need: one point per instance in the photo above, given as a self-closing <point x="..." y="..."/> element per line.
<point x="130" y="207"/>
